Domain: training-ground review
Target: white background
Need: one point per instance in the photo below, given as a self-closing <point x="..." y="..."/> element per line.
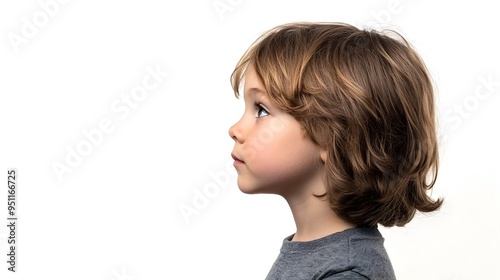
<point x="116" y="214"/>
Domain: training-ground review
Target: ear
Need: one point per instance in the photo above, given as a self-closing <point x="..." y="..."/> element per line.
<point x="323" y="155"/>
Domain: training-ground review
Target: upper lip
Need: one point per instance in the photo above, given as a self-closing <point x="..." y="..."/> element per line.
<point x="236" y="158"/>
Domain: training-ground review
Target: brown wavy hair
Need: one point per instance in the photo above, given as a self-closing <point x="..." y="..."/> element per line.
<point x="367" y="98"/>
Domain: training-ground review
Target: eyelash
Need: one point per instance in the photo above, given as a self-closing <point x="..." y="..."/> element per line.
<point x="259" y="108"/>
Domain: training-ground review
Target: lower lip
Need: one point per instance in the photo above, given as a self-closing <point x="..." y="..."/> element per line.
<point x="238" y="162"/>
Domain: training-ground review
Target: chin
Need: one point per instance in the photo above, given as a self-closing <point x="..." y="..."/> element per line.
<point x="247" y="189"/>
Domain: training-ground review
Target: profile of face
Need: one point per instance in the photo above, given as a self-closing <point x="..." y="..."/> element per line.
<point x="271" y="153"/>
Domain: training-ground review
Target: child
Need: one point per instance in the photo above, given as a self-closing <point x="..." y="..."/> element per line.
<point x="340" y="122"/>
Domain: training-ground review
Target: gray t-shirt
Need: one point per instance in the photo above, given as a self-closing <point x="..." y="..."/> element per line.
<point x="355" y="253"/>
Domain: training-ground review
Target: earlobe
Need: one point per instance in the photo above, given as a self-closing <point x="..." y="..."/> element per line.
<point x="323" y="155"/>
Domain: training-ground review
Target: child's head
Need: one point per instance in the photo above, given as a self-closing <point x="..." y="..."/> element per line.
<point x="366" y="100"/>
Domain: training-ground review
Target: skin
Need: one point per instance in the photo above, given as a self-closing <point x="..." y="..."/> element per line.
<point x="273" y="155"/>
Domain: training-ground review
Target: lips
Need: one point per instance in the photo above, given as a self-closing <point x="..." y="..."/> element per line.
<point x="237" y="160"/>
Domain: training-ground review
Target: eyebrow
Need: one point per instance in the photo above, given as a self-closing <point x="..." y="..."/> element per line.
<point x="256" y="91"/>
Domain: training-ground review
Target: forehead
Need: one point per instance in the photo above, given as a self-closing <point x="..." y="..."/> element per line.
<point x="255" y="92"/>
<point x="252" y="86"/>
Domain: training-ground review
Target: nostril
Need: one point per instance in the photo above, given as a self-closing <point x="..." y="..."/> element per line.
<point x="233" y="136"/>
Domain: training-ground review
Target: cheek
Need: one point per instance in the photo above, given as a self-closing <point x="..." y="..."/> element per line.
<point x="261" y="145"/>
<point x="266" y="146"/>
<point x="281" y="155"/>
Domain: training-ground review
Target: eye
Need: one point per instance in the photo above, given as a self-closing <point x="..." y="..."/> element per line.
<point x="261" y="111"/>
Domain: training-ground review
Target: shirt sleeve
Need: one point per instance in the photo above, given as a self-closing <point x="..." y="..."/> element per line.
<point x="346" y="275"/>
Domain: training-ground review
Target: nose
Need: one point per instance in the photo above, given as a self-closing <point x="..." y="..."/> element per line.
<point x="236" y="133"/>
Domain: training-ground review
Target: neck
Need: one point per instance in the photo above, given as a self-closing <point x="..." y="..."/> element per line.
<point x="313" y="217"/>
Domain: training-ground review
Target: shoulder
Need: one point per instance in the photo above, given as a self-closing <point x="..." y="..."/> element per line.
<point x="366" y="257"/>
<point x="366" y="249"/>
<point x="356" y="253"/>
